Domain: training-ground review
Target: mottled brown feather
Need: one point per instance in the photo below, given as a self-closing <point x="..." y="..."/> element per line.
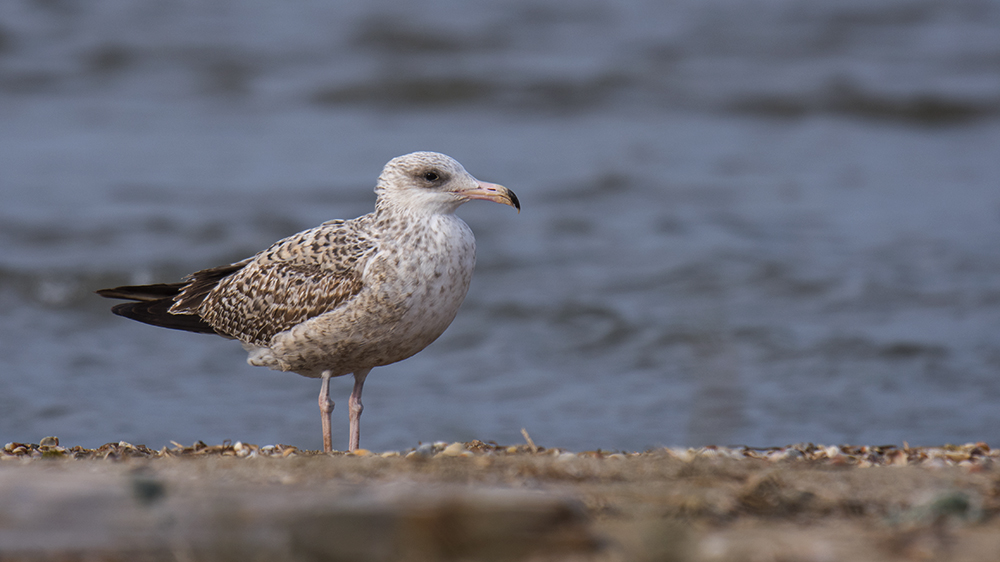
<point x="199" y="284"/>
<point x="296" y="279"/>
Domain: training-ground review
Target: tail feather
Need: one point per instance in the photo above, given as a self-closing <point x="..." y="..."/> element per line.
<point x="146" y="293"/>
<point x="152" y="306"/>
<point x="158" y="313"/>
<point x="153" y="302"/>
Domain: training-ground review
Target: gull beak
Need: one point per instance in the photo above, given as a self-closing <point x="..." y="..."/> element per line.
<point x="493" y="192"/>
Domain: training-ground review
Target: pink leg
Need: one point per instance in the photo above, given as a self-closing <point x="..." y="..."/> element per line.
<point x="325" y="409"/>
<point x="356" y="408"/>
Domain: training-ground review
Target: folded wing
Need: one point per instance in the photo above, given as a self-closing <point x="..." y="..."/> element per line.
<point x="296" y="279"/>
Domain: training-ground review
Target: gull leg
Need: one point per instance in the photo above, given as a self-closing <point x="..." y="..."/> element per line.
<point x="355" y="408"/>
<point x="325" y="409"/>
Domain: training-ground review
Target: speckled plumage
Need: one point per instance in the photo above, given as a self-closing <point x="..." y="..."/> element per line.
<point x="345" y="296"/>
<point x="401" y="290"/>
<point x="298" y="278"/>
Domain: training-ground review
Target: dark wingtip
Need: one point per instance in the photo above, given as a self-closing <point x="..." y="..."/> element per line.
<point x="153" y="292"/>
<point x="157" y="313"/>
<point x="123" y="309"/>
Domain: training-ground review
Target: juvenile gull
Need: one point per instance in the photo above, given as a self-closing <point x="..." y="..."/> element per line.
<point x="346" y="296"/>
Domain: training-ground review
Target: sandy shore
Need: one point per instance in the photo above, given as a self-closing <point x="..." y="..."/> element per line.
<point x="478" y="501"/>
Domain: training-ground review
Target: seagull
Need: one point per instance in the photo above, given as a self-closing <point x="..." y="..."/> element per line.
<point x="343" y="297"/>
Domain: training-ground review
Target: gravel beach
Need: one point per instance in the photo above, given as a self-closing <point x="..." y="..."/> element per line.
<point x="484" y="501"/>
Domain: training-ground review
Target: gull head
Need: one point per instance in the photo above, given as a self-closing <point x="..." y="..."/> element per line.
<point x="433" y="183"/>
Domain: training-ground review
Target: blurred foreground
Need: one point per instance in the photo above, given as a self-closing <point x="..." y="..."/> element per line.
<point x="477" y="501"/>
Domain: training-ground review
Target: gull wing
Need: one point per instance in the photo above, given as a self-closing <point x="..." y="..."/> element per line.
<point x="296" y="279"/>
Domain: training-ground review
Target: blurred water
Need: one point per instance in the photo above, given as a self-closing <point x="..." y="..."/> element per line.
<point x="744" y="222"/>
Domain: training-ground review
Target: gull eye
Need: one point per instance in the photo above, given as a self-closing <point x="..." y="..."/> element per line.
<point x="431" y="176"/>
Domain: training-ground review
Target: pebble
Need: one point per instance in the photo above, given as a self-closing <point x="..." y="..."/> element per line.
<point x="896" y="458"/>
<point x="424" y="450"/>
<point x="713" y="452"/>
<point x="453" y="450"/>
<point x="785" y="455"/>
<point x="935" y="462"/>
<point x="686" y="455"/>
<point x="243" y="450"/>
<point x="49" y="442"/>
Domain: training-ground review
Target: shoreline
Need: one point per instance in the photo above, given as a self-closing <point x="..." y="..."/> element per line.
<point x="968" y="455"/>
